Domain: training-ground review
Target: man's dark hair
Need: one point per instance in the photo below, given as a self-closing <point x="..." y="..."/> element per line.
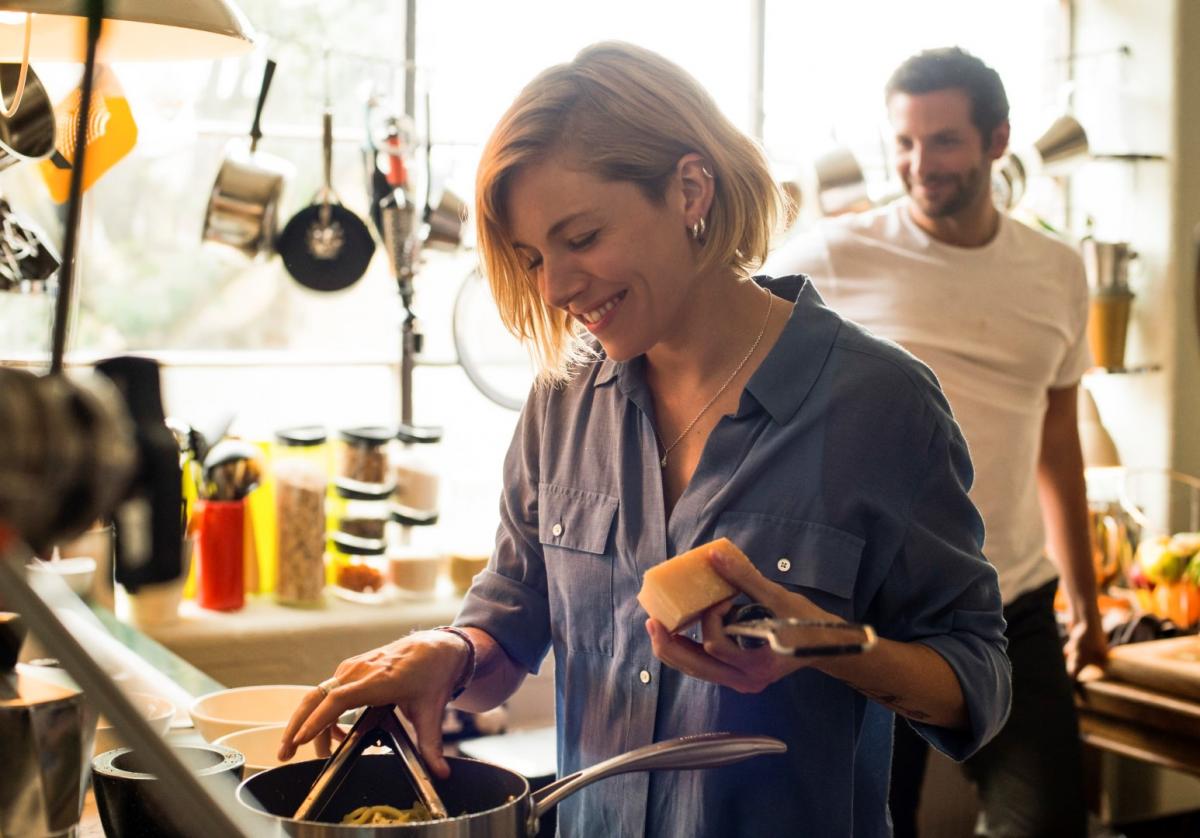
<point x="954" y="67"/>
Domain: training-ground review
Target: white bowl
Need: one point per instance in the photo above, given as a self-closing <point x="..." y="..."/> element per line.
<point x="228" y="711"/>
<point x="260" y="744"/>
<point x="156" y="710"/>
<point x="77" y="572"/>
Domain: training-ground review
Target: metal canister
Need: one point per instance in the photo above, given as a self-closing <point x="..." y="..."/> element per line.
<point x="47" y="730"/>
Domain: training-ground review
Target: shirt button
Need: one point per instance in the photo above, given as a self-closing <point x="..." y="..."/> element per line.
<point x="556" y="529"/>
<point x="784" y="565"/>
<point x="644" y="677"/>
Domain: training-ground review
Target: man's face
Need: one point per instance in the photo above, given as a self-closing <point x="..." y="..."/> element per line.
<point x="943" y="161"/>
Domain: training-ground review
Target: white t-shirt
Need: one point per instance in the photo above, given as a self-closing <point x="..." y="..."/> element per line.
<point x="999" y="325"/>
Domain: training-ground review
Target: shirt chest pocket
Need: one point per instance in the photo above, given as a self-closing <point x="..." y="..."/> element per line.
<point x="815" y="560"/>
<point x="575" y="528"/>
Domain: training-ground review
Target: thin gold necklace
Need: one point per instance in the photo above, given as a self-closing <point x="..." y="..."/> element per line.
<point x="762" y="331"/>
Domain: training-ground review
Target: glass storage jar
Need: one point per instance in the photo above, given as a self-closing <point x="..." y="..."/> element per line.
<point x="300" y="486"/>
<point x="359" y="513"/>
<point x="355" y="561"/>
<point x="415" y="472"/>
<point x="362" y="459"/>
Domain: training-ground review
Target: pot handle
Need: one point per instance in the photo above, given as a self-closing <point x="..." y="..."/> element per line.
<point x="255" y="128"/>
<point x="705" y="750"/>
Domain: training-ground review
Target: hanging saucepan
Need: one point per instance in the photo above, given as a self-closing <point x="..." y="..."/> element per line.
<point x="325" y="246"/>
<point x="30" y="132"/>
<point x="244" y="204"/>
<point x="482" y="799"/>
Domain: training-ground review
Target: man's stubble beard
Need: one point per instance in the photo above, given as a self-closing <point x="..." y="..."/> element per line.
<point x="968" y="186"/>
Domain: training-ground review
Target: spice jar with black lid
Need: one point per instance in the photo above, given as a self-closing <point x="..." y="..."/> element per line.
<point x="362" y="458"/>
<point x="356" y="512"/>
<point x="355" y="562"/>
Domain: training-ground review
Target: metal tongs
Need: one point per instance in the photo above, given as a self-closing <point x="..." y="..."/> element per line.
<point x="754" y="626"/>
<point x="375" y="725"/>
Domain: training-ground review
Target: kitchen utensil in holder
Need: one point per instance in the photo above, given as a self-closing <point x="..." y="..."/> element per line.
<point x="375" y="725"/>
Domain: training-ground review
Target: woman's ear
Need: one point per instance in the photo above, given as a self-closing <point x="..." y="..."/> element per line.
<point x="694" y="175"/>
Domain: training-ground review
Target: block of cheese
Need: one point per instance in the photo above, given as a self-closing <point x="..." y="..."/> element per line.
<point x="677" y="591"/>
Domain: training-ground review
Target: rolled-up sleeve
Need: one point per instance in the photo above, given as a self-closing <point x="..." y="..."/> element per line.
<point x="943" y="593"/>
<point x="508" y="600"/>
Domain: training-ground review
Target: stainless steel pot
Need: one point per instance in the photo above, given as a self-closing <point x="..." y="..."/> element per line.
<point x="30" y="132"/>
<point x="243" y="208"/>
<point x="493" y="801"/>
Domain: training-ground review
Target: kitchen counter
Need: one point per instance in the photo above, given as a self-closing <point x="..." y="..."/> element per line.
<point x="267" y="643"/>
<point x="1141" y="723"/>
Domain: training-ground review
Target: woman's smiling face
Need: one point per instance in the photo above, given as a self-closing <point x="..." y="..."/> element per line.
<point x="601" y="251"/>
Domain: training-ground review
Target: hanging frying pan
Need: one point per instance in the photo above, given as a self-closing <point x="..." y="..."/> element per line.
<point x="325" y="246"/>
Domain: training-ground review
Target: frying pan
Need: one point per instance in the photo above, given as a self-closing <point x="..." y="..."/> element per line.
<point x="483" y="799"/>
<point x="325" y="246"/>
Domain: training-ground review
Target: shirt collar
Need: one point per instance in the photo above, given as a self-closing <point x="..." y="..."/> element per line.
<point x="787" y="374"/>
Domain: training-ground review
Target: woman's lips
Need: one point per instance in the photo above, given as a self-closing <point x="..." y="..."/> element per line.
<point x="599" y="317"/>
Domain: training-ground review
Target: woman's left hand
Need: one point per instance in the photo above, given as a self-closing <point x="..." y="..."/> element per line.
<point x="719" y="659"/>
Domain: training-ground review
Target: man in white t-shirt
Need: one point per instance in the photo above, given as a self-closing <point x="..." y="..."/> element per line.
<point x="999" y="312"/>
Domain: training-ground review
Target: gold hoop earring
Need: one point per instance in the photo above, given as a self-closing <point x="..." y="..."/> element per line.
<point x="697" y="231"/>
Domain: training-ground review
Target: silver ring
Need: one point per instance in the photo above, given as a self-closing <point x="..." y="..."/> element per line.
<point x="328" y="685"/>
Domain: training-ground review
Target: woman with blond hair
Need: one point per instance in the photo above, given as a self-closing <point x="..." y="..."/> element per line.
<point x="619" y="217"/>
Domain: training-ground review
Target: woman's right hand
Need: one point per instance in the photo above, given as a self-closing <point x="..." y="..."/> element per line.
<point x="416" y="673"/>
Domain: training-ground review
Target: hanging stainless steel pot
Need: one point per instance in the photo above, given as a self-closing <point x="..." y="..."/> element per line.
<point x="243" y="208"/>
<point x="30" y="132"/>
<point x="493" y="801"/>
<point x="325" y="246"/>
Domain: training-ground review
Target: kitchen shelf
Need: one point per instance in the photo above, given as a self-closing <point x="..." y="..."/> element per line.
<point x="1129" y="158"/>
<point x="1139" y="369"/>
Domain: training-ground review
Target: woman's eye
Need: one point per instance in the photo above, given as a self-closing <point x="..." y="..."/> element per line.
<point x="533" y="264"/>
<point x="583" y="241"/>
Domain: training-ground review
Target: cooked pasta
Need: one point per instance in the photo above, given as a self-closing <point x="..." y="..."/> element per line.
<point x="368" y="815"/>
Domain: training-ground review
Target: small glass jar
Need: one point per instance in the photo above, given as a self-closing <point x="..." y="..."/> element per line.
<point x="416" y="478"/>
<point x="304" y="442"/>
<point x="362" y="458"/>
<point x="300" y="472"/>
<point x="415" y="570"/>
<point x="357" y="513"/>
<point x="355" y="562"/>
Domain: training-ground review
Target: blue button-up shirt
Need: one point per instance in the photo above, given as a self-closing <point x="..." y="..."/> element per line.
<point x="843" y="457"/>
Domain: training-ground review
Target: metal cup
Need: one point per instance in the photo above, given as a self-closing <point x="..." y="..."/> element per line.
<point x="1062" y="145"/>
<point x="841" y="186"/>
<point x="1106" y="264"/>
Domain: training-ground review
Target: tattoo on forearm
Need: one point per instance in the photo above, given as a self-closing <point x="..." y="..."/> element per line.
<point x="890" y="701"/>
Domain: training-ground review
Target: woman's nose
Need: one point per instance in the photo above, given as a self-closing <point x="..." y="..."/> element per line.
<point x="560" y="284"/>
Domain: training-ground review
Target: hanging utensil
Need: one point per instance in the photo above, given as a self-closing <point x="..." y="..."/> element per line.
<point x="325" y="246"/>
<point x="244" y="204"/>
<point x="29" y="133"/>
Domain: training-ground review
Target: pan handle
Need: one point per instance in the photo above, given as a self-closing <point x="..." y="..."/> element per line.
<point x="255" y="128"/>
<point x="705" y="750"/>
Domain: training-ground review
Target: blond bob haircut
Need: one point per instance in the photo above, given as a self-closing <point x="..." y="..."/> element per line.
<point x="621" y="113"/>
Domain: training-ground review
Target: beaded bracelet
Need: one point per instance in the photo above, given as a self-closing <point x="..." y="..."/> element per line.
<point x="469" y="673"/>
